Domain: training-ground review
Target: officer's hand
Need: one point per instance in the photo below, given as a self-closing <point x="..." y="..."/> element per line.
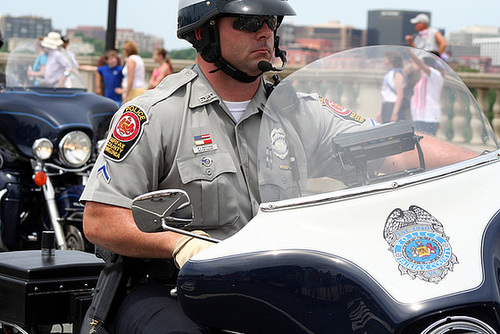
<point x="187" y="247"/>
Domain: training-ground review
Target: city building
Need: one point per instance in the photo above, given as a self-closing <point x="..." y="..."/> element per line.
<point x="87" y="32"/>
<point x="389" y="27"/>
<point x="305" y="44"/>
<point x="24" y="27"/>
<point x="145" y="42"/>
<point x="467" y="34"/>
<point x="340" y="36"/>
<point x="475" y="47"/>
<point x="489" y="47"/>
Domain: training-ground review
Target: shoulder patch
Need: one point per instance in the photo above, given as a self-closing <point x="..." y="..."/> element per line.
<point x="126" y="133"/>
<point x="341" y="111"/>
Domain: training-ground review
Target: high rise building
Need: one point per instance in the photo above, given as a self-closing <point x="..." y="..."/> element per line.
<point x="466" y="35"/>
<point x="88" y="32"/>
<point x="389" y="27"/>
<point x="308" y="43"/>
<point x="25" y="27"/>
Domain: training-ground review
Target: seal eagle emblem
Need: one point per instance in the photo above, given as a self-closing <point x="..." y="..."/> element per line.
<point x="419" y="244"/>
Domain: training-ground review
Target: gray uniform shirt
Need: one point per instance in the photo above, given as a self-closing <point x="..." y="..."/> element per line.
<point x="181" y="136"/>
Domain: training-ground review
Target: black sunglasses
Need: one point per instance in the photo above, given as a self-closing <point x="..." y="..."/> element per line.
<point x="254" y="22"/>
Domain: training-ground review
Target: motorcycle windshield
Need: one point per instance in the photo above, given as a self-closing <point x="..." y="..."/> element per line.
<point x="31" y="65"/>
<point x="367" y="116"/>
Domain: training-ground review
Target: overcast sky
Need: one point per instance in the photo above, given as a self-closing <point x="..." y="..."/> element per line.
<point x="158" y="17"/>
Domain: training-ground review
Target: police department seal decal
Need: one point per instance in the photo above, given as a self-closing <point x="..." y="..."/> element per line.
<point x="341" y="111"/>
<point x="419" y="244"/>
<point x="125" y="134"/>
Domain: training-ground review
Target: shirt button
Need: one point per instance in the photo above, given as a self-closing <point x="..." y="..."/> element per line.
<point x="209" y="172"/>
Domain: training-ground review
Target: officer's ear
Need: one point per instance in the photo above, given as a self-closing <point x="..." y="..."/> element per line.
<point x="198" y="34"/>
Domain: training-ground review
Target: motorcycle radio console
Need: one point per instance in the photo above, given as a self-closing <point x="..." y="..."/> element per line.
<point x="355" y="150"/>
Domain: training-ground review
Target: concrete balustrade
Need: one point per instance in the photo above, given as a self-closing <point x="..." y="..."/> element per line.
<point x="458" y="126"/>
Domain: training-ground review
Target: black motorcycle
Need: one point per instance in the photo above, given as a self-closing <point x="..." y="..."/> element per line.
<point x="49" y="138"/>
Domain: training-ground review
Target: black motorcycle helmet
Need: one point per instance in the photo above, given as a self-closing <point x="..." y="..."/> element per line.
<point x="194" y="14"/>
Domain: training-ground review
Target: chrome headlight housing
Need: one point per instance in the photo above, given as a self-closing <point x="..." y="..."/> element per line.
<point x="42" y="148"/>
<point x="101" y="145"/>
<point x="75" y="148"/>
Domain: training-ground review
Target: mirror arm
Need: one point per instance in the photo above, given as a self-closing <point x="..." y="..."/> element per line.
<point x="188" y="233"/>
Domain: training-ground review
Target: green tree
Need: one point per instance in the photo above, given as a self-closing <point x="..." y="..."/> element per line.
<point x="186" y="54"/>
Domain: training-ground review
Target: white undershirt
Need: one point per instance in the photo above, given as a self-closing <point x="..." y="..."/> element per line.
<point x="237" y="109"/>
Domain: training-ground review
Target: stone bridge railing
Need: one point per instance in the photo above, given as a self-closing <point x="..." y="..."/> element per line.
<point x="486" y="88"/>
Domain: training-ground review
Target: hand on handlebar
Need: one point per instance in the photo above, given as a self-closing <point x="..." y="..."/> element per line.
<point x="187" y="247"/>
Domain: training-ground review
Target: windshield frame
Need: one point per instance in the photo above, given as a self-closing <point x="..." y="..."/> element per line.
<point x="345" y="194"/>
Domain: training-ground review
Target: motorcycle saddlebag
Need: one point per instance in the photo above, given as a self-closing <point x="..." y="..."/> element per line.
<point x="38" y="290"/>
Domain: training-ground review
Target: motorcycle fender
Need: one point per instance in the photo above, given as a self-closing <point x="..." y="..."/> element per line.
<point x="68" y="200"/>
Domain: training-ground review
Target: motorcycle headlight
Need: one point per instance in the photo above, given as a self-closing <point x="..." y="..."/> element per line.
<point x="42" y="148"/>
<point x="75" y="148"/>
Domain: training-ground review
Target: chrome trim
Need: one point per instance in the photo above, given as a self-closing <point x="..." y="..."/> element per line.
<point x="53" y="211"/>
<point x="17" y="327"/>
<point x="68" y="170"/>
<point x="459" y="324"/>
<point x="383" y="186"/>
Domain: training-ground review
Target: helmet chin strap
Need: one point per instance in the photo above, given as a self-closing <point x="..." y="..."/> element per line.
<point x="224" y="66"/>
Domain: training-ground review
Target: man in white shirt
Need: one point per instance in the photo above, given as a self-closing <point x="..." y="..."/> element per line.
<point x="58" y="65"/>
<point x="427" y="38"/>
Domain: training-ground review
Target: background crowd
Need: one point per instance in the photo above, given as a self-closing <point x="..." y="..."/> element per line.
<point x="120" y="77"/>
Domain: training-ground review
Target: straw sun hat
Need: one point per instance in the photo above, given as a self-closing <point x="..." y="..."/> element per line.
<point x="52" y="40"/>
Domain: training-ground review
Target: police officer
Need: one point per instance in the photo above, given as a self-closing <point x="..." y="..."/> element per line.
<point x="188" y="133"/>
<point x="196" y="131"/>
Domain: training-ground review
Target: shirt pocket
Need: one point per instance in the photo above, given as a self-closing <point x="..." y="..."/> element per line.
<point x="211" y="181"/>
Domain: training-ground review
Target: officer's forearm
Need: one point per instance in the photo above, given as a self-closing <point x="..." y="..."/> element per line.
<point x="114" y="229"/>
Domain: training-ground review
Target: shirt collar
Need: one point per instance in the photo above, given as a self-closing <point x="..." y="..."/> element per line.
<point x="202" y="92"/>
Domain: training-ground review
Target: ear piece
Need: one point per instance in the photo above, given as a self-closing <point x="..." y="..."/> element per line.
<point x="198" y="34"/>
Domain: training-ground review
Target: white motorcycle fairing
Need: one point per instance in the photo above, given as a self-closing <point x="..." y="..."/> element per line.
<point x="340" y="247"/>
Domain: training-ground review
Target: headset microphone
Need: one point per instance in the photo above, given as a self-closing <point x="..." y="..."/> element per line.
<point x="265" y="66"/>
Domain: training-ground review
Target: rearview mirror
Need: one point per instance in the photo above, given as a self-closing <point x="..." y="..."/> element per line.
<point x="153" y="211"/>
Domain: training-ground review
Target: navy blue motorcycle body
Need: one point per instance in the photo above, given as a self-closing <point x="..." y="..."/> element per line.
<point x="48" y="142"/>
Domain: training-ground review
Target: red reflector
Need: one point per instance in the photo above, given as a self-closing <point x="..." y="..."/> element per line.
<point x="40" y="178"/>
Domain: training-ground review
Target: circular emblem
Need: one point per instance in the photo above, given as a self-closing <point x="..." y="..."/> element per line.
<point x="207" y="162"/>
<point x="279" y="144"/>
<point x="128" y="127"/>
<point x="422" y="251"/>
<point x="343" y="111"/>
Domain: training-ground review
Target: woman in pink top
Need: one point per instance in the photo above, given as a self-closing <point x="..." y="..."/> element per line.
<point x="161" y="57"/>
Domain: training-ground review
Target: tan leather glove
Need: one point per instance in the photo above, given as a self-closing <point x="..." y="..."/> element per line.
<point x="187" y="247"/>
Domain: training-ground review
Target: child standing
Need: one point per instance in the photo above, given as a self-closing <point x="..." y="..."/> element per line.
<point x="111" y="75"/>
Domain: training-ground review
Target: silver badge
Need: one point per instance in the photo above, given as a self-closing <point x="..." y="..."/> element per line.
<point x="279" y="144"/>
<point x="419" y="244"/>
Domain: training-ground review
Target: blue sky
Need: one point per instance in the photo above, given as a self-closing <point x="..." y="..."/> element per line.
<point x="159" y="17"/>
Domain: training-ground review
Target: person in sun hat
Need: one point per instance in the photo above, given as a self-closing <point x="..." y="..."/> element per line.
<point x="57" y="64"/>
<point x="427" y="38"/>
